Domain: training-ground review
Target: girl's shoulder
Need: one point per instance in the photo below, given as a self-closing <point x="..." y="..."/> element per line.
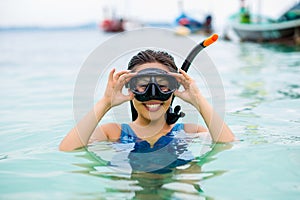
<point x="112" y="130"/>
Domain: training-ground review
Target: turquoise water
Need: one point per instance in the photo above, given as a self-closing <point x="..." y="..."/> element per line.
<point x="38" y="74"/>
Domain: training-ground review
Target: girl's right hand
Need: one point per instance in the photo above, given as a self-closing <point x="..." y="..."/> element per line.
<point x="113" y="94"/>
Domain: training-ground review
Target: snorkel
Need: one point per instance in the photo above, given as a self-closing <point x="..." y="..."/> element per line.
<point x="173" y="116"/>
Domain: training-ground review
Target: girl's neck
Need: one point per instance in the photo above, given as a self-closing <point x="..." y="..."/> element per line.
<point x="150" y="128"/>
<point x="140" y="121"/>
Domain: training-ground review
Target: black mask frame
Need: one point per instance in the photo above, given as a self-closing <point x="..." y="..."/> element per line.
<point x="153" y="89"/>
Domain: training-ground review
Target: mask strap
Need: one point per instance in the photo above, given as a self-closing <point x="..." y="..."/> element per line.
<point x="134" y="113"/>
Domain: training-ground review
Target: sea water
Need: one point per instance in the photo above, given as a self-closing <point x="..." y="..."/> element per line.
<point x="38" y="76"/>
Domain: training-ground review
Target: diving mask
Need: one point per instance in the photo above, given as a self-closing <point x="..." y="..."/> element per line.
<point x="152" y="84"/>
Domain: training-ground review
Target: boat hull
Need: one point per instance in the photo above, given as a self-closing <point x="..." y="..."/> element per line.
<point x="267" y="32"/>
<point x="112" y="25"/>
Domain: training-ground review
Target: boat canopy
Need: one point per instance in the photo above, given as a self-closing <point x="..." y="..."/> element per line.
<point x="291" y="14"/>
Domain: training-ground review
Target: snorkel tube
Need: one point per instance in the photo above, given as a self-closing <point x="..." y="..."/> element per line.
<point x="172" y="117"/>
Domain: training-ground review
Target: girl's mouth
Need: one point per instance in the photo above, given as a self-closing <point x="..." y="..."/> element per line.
<point x="152" y="107"/>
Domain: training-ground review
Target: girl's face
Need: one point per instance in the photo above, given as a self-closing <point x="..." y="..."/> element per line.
<point x="153" y="109"/>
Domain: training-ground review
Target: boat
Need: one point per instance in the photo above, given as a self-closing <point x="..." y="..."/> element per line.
<point x="259" y="28"/>
<point x="189" y="25"/>
<point x="119" y="25"/>
<point x="111" y="21"/>
<point x="112" y="25"/>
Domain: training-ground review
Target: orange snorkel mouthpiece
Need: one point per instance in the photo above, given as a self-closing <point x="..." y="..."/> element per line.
<point x="210" y="40"/>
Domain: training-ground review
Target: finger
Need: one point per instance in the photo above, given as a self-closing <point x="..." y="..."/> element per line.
<point x="182" y="80"/>
<point x="122" y="80"/>
<point x="111" y="74"/>
<point x="127" y="77"/>
<point x="180" y="76"/>
<point x="120" y="73"/>
<point x="184" y="74"/>
<point x="177" y="93"/>
<point x="177" y="76"/>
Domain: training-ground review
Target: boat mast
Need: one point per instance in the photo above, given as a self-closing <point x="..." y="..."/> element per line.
<point x="259" y="11"/>
<point x="180" y="7"/>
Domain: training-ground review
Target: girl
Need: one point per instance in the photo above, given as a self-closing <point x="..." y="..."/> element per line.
<point x="152" y="80"/>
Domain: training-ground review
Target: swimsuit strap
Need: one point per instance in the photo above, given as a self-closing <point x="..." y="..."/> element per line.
<point x="178" y="127"/>
<point x="128" y="135"/>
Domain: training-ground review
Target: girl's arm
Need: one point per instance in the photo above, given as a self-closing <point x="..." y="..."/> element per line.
<point x="79" y="135"/>
<point x="218" y="129"/>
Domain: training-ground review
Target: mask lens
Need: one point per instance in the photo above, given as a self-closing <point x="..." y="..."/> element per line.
<point x="140" y="84"/>
<point x="165" y="83"/>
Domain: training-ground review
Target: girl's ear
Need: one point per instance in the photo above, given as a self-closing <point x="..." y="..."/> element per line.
<point x="131" y="94"/>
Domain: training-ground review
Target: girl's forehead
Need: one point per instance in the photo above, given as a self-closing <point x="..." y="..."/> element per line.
<point x="151" y="65"/>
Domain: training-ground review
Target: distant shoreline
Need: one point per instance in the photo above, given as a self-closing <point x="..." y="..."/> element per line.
<point x="89" y="26"/>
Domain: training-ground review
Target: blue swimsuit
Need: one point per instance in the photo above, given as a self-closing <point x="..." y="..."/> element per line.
<point x="164" y="155"/>
<point x="128" y="135"/>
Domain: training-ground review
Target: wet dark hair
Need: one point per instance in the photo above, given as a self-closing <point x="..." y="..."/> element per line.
<point x="152" y="56"/>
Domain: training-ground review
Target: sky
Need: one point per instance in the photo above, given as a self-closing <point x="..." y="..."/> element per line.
<point x="75" y="12"/>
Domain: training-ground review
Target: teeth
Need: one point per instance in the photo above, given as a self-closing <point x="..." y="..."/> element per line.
<point x="153" y="105"/>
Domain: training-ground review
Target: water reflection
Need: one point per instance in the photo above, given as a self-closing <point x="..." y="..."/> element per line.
<point x="266" y="83"/>
<point x="250" y="73"/>
<point x="183" y="180"/>
<point x="290" y="91"/>
<point x="263" y="75"/>
<point x="281" y="47"/>
<point x="252" y="90"/>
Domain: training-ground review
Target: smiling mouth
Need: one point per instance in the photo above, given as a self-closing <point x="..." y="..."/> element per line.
<point x="152" y="107"/>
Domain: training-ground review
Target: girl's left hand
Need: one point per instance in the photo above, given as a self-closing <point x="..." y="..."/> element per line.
<point x="191" y="92"/>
